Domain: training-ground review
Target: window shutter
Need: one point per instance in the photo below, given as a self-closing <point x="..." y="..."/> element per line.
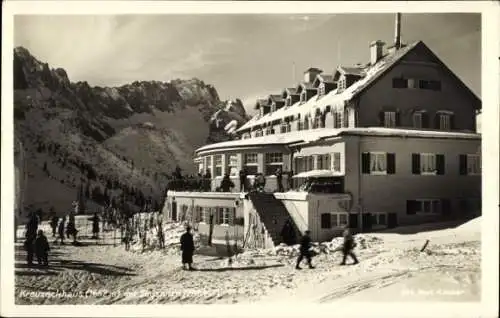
<point x="425" y="120"/>
<point x="436" y="121"/>
<point x="346" y="118"/>
<point x="220" y="215"/>
<point x="463" y="165"/>
<point x="365" y="162"/>
<point x="326" y="220"/>
<point x="353" y="220"/>
<point x="452" y="122"/>
<point x="232" y="216"/>
<point x="391" y="163"/>
<point x="440" y="164"/>
<point x="415" y="163"/>
<point x="410" y="207"/>
<point x="398" y="119"/>
<point x="381" y="119"/>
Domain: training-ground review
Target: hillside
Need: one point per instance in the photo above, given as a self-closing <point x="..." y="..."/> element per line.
<point x="115" y="142"/>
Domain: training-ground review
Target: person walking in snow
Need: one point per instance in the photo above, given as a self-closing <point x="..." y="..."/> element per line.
<point x="305" y="245"/>
<point x="60" y="230"/>
<point x="187" y="248"/>
<point x="95" y="226"/>
<point x="42" y="249"/>
<point x="71" y="228"/>
<point x="243" y="180"/>
<point x="31" y="231"/>
<point x="348" y="246"/>
<point x="54" y="220"/>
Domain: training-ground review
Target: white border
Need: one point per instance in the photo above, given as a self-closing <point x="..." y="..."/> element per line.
<point x="490" y="150"/>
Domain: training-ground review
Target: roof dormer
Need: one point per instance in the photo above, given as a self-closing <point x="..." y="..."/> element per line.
<point x="324" y="84"/>
<point x="290" y="96"/>
<point x="311" y="73"/>
<point x="276" y="102"/>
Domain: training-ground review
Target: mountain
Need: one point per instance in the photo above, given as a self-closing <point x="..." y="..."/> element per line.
<point x="110" y="143"/>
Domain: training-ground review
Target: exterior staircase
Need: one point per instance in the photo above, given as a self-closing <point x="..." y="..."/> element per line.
<point x="273" y="214"/>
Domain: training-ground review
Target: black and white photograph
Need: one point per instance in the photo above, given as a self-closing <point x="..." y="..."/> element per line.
<point x="243" y="158"/>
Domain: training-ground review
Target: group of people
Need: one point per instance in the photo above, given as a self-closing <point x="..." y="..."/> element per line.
<point x="36" y="242"/>
<point x="346" y="248"/>
<point x="61" y="229"/>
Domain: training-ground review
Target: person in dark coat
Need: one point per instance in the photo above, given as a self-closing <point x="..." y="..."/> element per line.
<point x="226" y="183"/>
<point x="348" y="246"/>
<point x="54" y="220"/>
<point x="243" y="180"/>
<point x="207" y="180"/>
<point x="305" y="245"/>
<point x="31" y="231"/>
<point x="95" y="226"/>
<point x="71" y="228"/>
<point x="187" y="248"/>
<point x="60" y="230"/>
<point x="288" y="233"/>
<point x="279" y="180"/>
<point x="42" y="249"/>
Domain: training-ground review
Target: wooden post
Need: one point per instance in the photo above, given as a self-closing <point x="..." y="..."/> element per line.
<point x="425" y="245"/>
<point x="211" y="229"/>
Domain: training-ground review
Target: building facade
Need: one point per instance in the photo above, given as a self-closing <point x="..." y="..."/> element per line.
<point x="396" y="137"/>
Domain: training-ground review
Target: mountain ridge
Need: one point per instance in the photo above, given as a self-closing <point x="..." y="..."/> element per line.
<point x="134" y="134"/>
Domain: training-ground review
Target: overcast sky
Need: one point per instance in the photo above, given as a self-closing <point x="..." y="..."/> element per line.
<point x="243" y="56"/>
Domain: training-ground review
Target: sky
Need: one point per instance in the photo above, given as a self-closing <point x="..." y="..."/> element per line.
<point x="243" y="56"/>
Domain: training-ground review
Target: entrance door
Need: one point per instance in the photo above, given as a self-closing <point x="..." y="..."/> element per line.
<point x="174" y="211"/>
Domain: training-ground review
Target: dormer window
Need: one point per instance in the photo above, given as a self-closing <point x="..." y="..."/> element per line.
<point x="341" y="84"/>
<point x="270" y="131"/>
<point x="321" y="89"/>
<point x="303" y="97"/>
<point x="420" y="119"/>
<point x="259" y="133"/>
<point x="289" y="101"/>
<point x="444" y="120"/>
<point x="389" y="119"/>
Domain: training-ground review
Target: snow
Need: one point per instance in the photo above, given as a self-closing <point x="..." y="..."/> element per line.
<point x="391" y="267"/>
<point x="316" y="174"/>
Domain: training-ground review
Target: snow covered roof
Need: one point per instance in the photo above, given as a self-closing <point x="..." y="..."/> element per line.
<point x="311" y="136"/>
<point x="370" y="74"/>
<point x="358" y="71"/>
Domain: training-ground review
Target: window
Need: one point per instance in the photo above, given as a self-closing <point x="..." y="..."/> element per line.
<point x="399" y="83"/>
<point x="251" y="164"/>
<point x="233" y="165"/>
<point x="430" y="85"/>
<point x="470" y="164"/>
<point x="342" y="219"/>
<point x="273" y="161"/>
<point x="389" y="119"/>
<point x="289" y="101"/>
<point x="209" y="164"/>
<point x="339" y="219"/>
<point x="423" y="206"/>
<point x="337" y="120"/>
<point x="259" y="133"/>
<point x="379" y="219"/>
<point x="412" y="83"/>
<point x="321" y="89"/>
<point x="428" y="164"/>
<point x="420" y="119"/>
<point x="269" y="131"/>
<point x="336" y="164"/>
<point x="246" y="136"/>
<point x="417" y="120"/>
<point x="303" y="97"/>
<point x="324" y="162"/>
<point x="316" y="122"/>
<point x="326" y="220"/>
<point x="226" y="216"/>
<point x="205" y="215"/>
<point x="378" y="163"/>
<point x="341" y="84"/>
<point x="444" y="121"/>
<point x="218" y="165"/>
<point x="286" y="127"/>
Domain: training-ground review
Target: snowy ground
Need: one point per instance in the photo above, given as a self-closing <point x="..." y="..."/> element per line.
<point x="392" y="267"/>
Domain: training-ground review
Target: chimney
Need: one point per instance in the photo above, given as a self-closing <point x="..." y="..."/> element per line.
<point x="376" y="51"/>
<point x="397" y="35"/>
<point x="311" y="73"/>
